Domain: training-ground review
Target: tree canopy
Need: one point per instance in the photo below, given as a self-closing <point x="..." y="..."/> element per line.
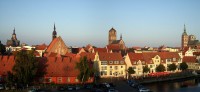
<point x="25" y="67"/>
<point x="2" y="49"/>
<point x="172" y="67"/>
<point x="146" y="69"/>
<point x="131" y="70"/>
<point x="183" y="66"/>
<point x="160" y="68"/>
<point x="85" y="69"/>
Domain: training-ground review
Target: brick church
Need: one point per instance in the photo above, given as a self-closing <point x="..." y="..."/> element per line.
<point x="189" y="40"/>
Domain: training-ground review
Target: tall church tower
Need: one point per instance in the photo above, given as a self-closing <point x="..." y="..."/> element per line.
<point x="184" y="40"/>
<point x="14" y="37"/>
<point x="54" y="34"/>
<point x="112" y="35"/>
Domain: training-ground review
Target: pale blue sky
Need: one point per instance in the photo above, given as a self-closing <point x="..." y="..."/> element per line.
<point x="82" y="22"/>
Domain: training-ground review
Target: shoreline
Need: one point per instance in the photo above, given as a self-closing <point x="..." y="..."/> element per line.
<point x="156" y="80"/>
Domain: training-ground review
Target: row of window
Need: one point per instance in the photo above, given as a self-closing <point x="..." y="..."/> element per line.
<point x="112" y="62"/>
<point x="111" y="67"/>
<point x="59" y="80"/>
<point x="112" y="73"/>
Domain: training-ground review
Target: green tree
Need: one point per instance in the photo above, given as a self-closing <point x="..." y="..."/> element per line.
<point x="160" y="68"/>
<point x="146" y="69"/>
<point x="85" y="69"/>
<point x="172" y="67"/>
<point x="25" y="67"/>
<point x="183" y="66"/>
<point x="2" y="49"/>
<point x="130" y="71"/>
<point x="10" y="78"/>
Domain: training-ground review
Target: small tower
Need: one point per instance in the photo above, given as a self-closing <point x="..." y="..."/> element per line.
<point x="112" y="35"/>
<point x="14" y="37"/>
<point x="121" y="37"/>
<point x="54" y="34"/>
<point x="184" y="40"/>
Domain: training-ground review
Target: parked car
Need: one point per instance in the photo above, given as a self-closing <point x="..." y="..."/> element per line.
<point x="77" y="87"/>
<point x="112" y="90"/>
<point x="112" y="85"/>
<point x="33" y="90"/>
<point x="143" y="89"/>
<point x="106" y="85"/>
<point x="61" y="88"/>
<point x="88" y="86"/>
<point x="70" y="87"/>
<point x="1" y="86"/>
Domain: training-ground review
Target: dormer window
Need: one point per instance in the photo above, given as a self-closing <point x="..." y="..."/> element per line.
<point x="110" y="62"/>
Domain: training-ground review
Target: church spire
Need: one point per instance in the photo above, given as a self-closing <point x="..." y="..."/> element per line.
<point x="184" y="33"/>
<point x="54" y="34"/>
<point x="121" y="37"/>
<point x="54" y="27"/>
<point x="14" y="31"/>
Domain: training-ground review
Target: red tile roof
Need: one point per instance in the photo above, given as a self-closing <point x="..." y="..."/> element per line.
<point x="100" y="50"/>
<point x="113" y="47"/>
<point x="51" y="44"/>
<point x="90" y="56"/>
<point x="41" y="47"/>
<point x="147" y="57"/>
<point x="6" y="64"/>
<point x="196" y="53"/>
<point x="189" y="59"/>
<point x="110" y="57"/>
<point x="59" y="66"/>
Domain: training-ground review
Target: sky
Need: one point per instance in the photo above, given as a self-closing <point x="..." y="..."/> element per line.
<point x="81" y="22"/>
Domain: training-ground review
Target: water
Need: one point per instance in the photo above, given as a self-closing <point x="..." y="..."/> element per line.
<point x="187" y="85"/>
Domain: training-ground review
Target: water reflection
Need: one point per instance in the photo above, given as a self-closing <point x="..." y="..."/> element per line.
<point x="175" y="86"/>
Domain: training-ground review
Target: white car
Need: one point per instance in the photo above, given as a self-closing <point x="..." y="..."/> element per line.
<point x="144" y="90"/>
<point x="1" y="86"/>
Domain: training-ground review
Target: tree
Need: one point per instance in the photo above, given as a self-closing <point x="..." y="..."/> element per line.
<point x="146" y="69"/>
<point x="2" y="49"/>
<point x="85" y="69"/>
<point x="130" y="71"/>
<point x="160" y="68"/>
<point x="9" y="78"/>
<point x="183" y="66"/>
<point x="25" y="67"/>
<point x="172" y="67"/>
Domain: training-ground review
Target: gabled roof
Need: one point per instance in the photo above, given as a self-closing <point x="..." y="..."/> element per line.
<point x="189" y="59"/>
<point x="77" y="50"/>
<point x="147" y="57"/>
<point x="41" y="47"/>
<point x="100" y="50"/>
<point x="54" y="42"/>
<point x="90" y="56"/>
<point x="110" y="57"/>
<point x="113" y="47"/>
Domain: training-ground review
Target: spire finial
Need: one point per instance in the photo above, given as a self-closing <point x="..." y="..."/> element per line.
<point x="184" y="28"/>
<point x="54" y="27"/>
<point x="121" y="37"/>
<point x="14" y="30"/>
